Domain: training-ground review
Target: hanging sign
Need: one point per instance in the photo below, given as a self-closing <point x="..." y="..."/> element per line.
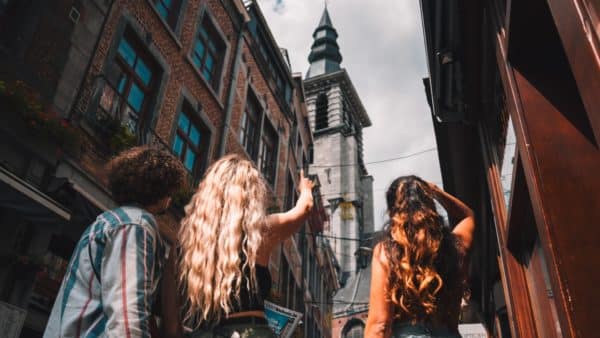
<point x="346" y="210"/>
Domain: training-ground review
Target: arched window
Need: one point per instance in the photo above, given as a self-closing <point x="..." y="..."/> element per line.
<point x="321" y="119"/>
<point x="354" y="329"/>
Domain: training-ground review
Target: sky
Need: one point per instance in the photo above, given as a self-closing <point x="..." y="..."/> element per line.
<point x="382" y="46"/>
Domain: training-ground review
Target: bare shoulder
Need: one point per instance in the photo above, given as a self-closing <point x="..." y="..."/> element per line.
<point x="380" y="255"/>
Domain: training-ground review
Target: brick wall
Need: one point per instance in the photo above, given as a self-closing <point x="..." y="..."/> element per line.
<point x="171" y="48"/>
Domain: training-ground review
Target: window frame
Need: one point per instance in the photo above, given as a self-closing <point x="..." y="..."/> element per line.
<point x="205" y="130"/>
<point x="132" y="77"/>
<point x="267" y="161"/>
<point x="215" y="36"/>
<point x="352" y="325"/>
<point x="174" y="12"/>
<point x="251" y="144"/>
<point x="256" y="149"/>
<point x="274" y="69"/>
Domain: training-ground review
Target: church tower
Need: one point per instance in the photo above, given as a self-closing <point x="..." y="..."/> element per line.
<point x="337" y="118"/>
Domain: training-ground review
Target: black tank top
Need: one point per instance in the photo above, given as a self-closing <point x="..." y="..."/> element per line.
<point x="253" y="300"/>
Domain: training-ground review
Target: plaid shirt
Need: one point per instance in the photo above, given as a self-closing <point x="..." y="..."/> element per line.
<point x="111" y="280"/>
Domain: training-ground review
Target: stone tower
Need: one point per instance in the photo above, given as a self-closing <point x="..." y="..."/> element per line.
<point x="337" y="118"/>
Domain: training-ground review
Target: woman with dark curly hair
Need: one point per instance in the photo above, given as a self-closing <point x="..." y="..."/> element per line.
<point x="111" y="280"/>
<point x="419" y="268"/>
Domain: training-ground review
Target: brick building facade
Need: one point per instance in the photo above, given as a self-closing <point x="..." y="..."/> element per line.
<point x="199" y="78"/>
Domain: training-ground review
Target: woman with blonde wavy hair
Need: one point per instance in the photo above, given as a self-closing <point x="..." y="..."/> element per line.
<point x="419" y="267"/>
<point x="226" y="239"/>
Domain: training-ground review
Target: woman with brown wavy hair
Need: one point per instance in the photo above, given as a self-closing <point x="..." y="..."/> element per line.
<point x="226" y="239"/>
<point x="419" y="268"/>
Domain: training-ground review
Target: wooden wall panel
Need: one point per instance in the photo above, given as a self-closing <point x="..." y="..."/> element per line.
<point x="561" y="161"/>
<point x="577" y="25"/>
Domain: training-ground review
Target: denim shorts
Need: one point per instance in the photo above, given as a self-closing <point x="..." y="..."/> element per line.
<point x="237" y="330"/>
<point x="408" y="330"/>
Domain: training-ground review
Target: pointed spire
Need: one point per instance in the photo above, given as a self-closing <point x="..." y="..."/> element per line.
<point x="325" y="54"/>
<point x="325" y="19"/>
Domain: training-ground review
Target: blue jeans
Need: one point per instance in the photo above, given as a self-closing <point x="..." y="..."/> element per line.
<point x="408" y="330"/>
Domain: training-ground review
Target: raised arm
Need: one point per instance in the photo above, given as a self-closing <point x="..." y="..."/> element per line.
<point x="128" y="281"/>
<point x="285" y="224"/>
<point x="380" y="309"/>
<point x="456" y="209"/>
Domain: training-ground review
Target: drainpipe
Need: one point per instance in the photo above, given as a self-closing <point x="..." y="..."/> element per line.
<point x="231" y="94"/>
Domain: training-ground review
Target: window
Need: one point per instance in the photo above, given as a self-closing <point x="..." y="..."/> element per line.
<point x="321" y="118"/>
<point x="191" y="141"/>
<point x="293" y="138"/>
<point x="259" y="138"/>
<point x="136" y="74"/>
<point x="250" y="126"/>
<point x="290" y="193"/>
<point x="269" y="55"/>
<point x="267" y="156"/>
<point x="357" y="330"/>
<point x="169" y="11"/>
<point x="209" y="51"/>
<point x="299" y="151"/>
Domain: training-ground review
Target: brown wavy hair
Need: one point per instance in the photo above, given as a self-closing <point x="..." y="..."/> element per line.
<point x="422" y="252"/>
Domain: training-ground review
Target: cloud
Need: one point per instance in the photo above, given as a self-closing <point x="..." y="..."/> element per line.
<point x="278" y="6"/>
<point x="382" y="45"/>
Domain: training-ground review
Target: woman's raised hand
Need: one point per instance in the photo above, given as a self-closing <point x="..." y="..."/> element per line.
<point x="305" y="183"/>
<point x="435" y="190"/>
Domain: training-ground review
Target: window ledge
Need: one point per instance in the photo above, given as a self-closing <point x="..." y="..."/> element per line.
<point x="166" y="24"/>
<point x="210" y="88"/>
<point x="328" y="130"/>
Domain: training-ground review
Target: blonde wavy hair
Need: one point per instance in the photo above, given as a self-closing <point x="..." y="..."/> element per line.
<point x="223" y="223"/>
<point x="422" y="252"/>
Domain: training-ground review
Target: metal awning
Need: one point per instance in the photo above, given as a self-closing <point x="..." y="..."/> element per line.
<point x="17" y="194"/>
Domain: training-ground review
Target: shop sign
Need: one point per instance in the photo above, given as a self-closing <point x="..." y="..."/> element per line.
<point x="282" y="321"/>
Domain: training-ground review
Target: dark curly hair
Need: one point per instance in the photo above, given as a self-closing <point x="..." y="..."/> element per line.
<point x="424" y="257"/>
<point x="144" y="175"/>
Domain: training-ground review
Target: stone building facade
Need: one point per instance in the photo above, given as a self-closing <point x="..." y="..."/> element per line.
<point x="199" y="78"/>
<point x="337" y="118"/>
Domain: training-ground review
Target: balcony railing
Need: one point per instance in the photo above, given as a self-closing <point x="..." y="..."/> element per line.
<point x="113" y="114"/>
<point x="113" y="110"/>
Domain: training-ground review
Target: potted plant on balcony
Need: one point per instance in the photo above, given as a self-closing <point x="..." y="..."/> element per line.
<point x="49" y="126"/>
<point x="121" y="139"/>
<point x="22" y="105"/>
